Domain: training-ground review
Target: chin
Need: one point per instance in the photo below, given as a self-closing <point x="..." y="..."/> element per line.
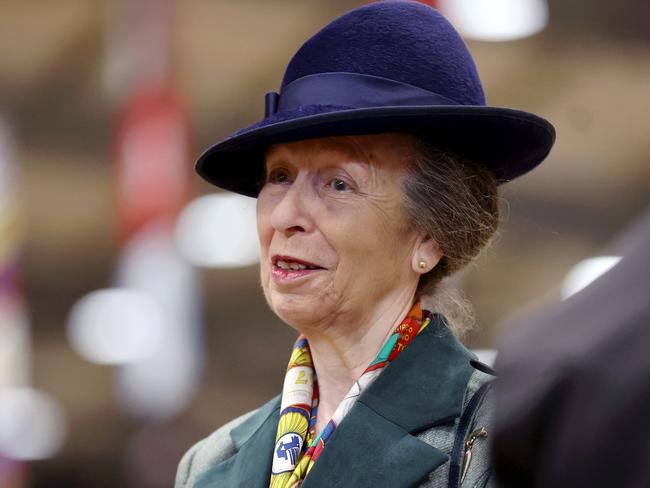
<point x="297" y="311"/>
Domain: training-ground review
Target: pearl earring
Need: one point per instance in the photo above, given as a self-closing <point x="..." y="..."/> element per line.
<point x="422" y="264"/>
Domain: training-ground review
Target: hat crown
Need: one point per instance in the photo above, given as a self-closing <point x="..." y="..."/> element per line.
<point x="404" y="41"/>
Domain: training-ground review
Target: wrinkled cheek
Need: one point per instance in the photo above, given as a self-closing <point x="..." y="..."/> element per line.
<point x="367" y="267"/>
<point x="354" y="270"/>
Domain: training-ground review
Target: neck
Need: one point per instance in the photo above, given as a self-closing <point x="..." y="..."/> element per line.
<point x="342" y="352"/>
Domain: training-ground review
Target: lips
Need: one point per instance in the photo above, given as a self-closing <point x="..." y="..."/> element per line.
<point x="287" y="268"/>
<point x="291" y="263"/>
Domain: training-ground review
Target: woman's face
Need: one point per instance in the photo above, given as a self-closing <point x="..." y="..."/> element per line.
<point x="333" y="234"/>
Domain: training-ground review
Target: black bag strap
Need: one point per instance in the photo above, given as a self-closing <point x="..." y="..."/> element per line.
<point x="464" y="424"/>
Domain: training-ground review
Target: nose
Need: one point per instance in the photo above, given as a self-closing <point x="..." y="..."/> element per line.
<point x="291" y="212"/>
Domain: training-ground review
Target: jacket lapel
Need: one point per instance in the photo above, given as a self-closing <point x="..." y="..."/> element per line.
<point x="254" y="441"/>
<point x="370" y="451"/>
<point x="375" y="444"/>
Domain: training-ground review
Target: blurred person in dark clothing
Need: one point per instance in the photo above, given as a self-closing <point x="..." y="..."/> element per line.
<point x="572" y="402"/>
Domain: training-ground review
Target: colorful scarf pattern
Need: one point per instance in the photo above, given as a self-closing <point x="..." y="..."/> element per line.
<point x="297" y="447"/>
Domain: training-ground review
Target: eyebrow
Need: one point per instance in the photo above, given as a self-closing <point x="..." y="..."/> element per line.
<point x="268" y="152"/>
<point x="355" y="155"/>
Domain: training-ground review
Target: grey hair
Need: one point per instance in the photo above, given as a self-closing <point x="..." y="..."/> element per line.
<point x="455" y="202"/>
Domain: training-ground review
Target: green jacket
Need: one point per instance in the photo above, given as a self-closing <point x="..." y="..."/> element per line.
<point x="399" y="433"/>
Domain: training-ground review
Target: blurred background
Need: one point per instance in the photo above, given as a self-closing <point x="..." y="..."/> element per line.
<point x="132" y="322"/>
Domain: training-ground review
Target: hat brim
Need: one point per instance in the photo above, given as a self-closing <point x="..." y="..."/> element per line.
<point x="508" y="142"/>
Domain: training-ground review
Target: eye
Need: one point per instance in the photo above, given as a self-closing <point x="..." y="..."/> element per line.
<point x="278" y="176"/>
<point x="339" y="185"/>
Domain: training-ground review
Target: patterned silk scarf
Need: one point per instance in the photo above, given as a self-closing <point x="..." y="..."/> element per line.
<point x="297" y="446"/>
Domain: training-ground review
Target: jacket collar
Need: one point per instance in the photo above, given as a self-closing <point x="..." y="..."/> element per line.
<point x="375" y="444"/>
<point x="426" y="383"/>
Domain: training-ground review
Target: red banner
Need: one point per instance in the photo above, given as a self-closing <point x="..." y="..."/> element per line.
<point x="152" y="154"/>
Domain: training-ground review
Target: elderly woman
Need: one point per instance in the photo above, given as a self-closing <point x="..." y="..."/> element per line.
<point x="375" y="171"/>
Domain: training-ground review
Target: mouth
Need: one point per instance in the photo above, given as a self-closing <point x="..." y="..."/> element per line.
<point x="288" y="267"/>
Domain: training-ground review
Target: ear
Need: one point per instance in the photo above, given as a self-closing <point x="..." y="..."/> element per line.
<point x="426" y="254"/>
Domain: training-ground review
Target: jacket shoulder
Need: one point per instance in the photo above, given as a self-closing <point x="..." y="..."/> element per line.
<point x="479" y="471"/>
<point x="215" y="448"/>
<point x="442" y="437"/>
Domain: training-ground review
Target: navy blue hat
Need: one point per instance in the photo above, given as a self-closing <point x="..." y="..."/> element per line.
<point x="392" y="66"/>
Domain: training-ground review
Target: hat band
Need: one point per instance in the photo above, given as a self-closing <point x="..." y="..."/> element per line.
<point x="352" y="90"/>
